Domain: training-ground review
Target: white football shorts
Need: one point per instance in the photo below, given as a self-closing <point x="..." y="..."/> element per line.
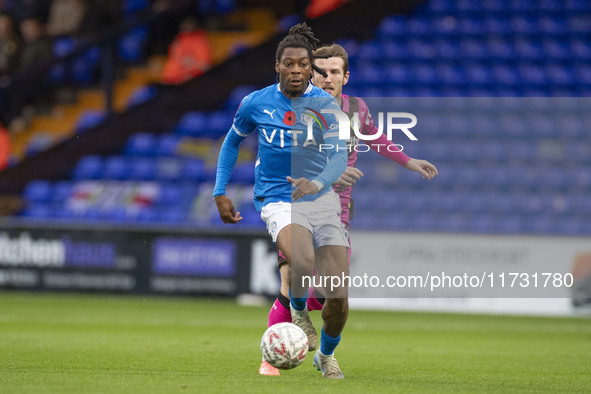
<point x="321" y="217"/>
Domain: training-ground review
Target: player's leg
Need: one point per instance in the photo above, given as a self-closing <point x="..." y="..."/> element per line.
<point x="333" y="267"/>
<point x="277" y="216"/>
<point x="336" y="308"/>
<point x="279" y="312"/>
<point x="301" y="273"/>
<point x="315" y="297"/>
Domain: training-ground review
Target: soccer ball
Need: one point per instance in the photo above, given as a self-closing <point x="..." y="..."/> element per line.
<point x="284" y="345"/>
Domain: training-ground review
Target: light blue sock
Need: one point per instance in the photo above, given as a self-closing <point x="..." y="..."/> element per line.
<point x="327" y="343"/>
<point x="299" y="304"/>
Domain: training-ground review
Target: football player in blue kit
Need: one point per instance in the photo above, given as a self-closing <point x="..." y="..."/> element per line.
<point x="293" y="184"/>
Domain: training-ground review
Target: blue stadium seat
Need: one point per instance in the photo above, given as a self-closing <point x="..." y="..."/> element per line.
<point x="89" y="119"/>
<point x="239" y="92"/>
<point x="579" y="178"/>
<point x="473" y="49"/>
<point x="553" y="25"/>
<point x="493" y="151"/>
<point x="542" y="224"/>
<point x="193" y="170"/>
<point x="141" y="95"/>
<point x="132" y="45"/>
<point x="393" y="52"/>
<point x="142" y="168"/>
<point x="85" y="66"/>
<point x="219" y="122"/>
<point x="510" y="224"/>
<point x="152" y="215"/>
<point x="392" y="26"/>
<point x="351" y="46"/>
<point x="116" y="168"/>
<point x="532" y="75"/>
<point x="579" y="152"/>
<point x="451" y="74"/>
<point x="88" y="167"/>
<point x="169" y="169"/>
<point x="397" y="74"/>
<point x="61" y="47"/>
<point x="570" y="126"/>
<point x="62" y="190"/>
<point x="423" y="75"/>
<point x="505" y="75"/>
<point x="169" y="196"/>
<point x="37" y="211"/>
<point x="580" y="50"/>
<point x="481" y="223"/>
<point x="555" y="49"/>
<point x="38" y="191"/>
<point x="497" y="26"/>
<point x="141" y="144"/>
<point x="421" y="50"/>
<point x="558" y="74"/>
<point x="425" y="222"/>
<point x="419" y="26"/>
<point x="193" y="124"/>
<point x="469" y="26"/>
<point x="370" y="51"/>
<point x="167" y="145"/>
<point x="39" y="142"/>
<point x="447" y="50"/>
<point x="524" y="24"/>
<point x="243" y="173"/>
<point x="478" y="75"/>
<point x="454" y="222"/>
<point x="370" y="74"/>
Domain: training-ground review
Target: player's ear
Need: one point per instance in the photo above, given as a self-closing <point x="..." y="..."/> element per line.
<point x="346" y="78"/>
<point x="276" y="66"/>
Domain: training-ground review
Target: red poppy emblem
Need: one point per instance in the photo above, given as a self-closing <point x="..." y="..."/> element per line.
<point x="289" y="118"/>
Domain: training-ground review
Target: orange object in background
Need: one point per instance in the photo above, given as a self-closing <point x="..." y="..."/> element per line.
<point x="320" y="7"/>
<point x="4" y="147"/>
<point x="189" y="55"/>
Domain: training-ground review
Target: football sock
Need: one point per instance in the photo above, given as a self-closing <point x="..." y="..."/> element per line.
<point x="327" y="343"/>
<point x="299" y="304"/>
<point x="279" y="312"/>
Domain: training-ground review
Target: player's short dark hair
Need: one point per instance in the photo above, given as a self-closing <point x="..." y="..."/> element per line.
<point x="334" y="50"/>
<point x="299" y="36"/>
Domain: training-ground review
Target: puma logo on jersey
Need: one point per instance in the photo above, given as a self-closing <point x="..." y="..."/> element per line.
<point x="270" y="113"/>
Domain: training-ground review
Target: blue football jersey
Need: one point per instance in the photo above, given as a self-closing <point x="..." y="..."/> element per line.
<point x="282" y="126"/>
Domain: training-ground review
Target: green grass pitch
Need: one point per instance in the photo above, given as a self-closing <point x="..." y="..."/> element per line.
<point x="72" y="343"/>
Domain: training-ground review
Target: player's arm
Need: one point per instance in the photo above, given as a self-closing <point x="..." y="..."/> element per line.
<point x="382" y="145"/>
<point x="386" y="148"/>
<point x="391" y="151"/>
<point x="226" y="162"/>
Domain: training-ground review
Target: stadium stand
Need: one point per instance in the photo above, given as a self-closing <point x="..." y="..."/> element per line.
<point x="506" y="118"/>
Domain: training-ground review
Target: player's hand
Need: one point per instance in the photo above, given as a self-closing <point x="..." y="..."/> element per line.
<point x="423" y="167"/>
<point x="303" y="187"/>
<point x="226" y="210"/>
<point x="349" y="177"/>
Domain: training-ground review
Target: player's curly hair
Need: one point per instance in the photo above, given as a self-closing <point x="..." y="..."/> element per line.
<point x="300" y="36"/>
